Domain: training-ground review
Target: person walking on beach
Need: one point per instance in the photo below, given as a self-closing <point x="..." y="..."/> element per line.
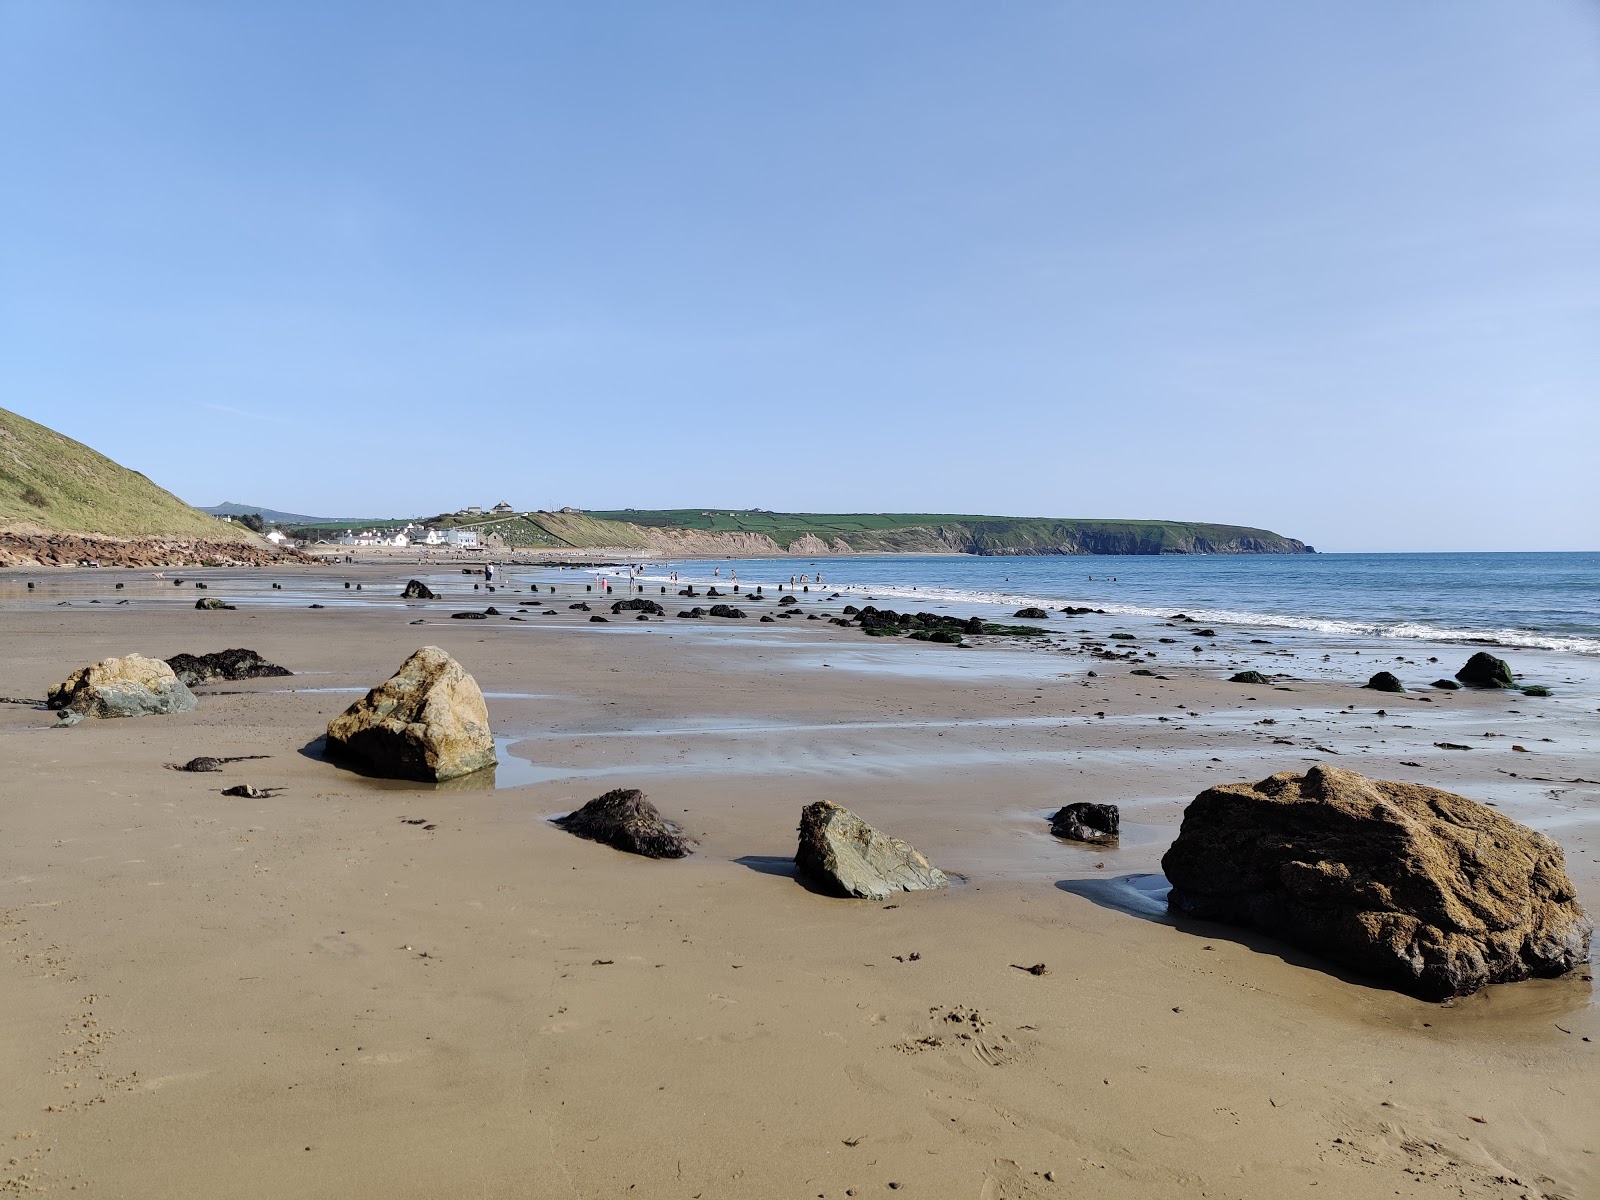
<point x="488" y="572"/>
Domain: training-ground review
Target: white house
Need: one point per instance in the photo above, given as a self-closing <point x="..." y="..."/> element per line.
<point x="461" y="539"/>
<point x="429" y="537"/>
<point x="277" y="537"/>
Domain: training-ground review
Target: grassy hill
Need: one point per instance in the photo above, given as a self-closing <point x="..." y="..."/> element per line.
<point x="49" y="482"/>
<point x="964" y="533"/>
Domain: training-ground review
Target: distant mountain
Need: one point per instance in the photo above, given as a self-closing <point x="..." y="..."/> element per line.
<point x="229" y="509"/>
<point x="50" y="484"/>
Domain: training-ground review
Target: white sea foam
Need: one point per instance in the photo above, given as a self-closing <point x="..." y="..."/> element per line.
<point x="940" y="597"/>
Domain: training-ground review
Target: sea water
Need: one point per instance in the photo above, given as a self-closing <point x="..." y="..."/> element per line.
<point x="1536" y="601"/>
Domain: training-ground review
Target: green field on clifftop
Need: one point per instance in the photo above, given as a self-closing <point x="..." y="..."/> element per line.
<point x="965" y="533"/>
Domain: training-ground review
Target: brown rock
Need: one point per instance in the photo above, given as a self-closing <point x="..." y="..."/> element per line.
<point x="427" y="722"/>
<point x="626" y="819"/>
<point x="1430" y="892"/>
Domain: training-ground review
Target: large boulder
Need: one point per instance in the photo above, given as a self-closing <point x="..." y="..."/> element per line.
<point x="640" y="604"/>
<point x="417" y="590"/>
<point x="1385" y="681"/>
<point x="133" y="686"/>
<point x="233" y="664"/>
<point x="841" y="851"/>
<point x="626" y="819"/>
<point x="427" y="722"/>
<point x="1251" y="677"/>
<point x="1484" y="670"/>
<point x="1430" y="892"/>
<point x="1086" y="821"/>
<point x="1031" y="614"/>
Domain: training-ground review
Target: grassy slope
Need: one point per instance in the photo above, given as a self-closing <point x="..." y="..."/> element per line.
<point x="62" y="486"/>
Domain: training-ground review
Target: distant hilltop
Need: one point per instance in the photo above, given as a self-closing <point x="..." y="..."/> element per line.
<point x="689" y="532"/>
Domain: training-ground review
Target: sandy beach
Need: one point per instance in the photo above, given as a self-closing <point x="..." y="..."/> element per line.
<point x="368" y="988"/>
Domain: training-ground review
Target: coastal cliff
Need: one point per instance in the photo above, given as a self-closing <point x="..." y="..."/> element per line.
<point x="62" y="503"/>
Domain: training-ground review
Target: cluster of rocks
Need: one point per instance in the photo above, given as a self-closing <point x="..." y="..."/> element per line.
<point x="1482" y="670"/>
<point x="1430" y="892"/>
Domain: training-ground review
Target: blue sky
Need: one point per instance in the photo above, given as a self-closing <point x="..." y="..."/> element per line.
<point x="1330" y="268"/>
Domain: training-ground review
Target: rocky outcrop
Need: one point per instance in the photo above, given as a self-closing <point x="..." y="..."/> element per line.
<point x="1252" y="677"/>
<point x="1031" y="614"/>
<point x="725" y="610"/>
<point x="18" y="549"/>
<point x="640" y="604"/>
<point x="224" y="664"/>
<point x="625" y="818"/>
<point x="1085" y="821"/>
<point x="1430" y="892"/>
<point x="427" y="722"/>
<point x="844" y="854"/>
<point x="1484" y="670"/>
<point x="212" y="604"/>
<point x="417" y="590"/>
<point x="133" y="686"/>
<point x="1384" y="681"/>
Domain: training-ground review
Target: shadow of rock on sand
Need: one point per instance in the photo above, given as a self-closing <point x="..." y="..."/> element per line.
<point x="478" y="781"/>
<point x="1145" y="896"/>
<point x="772" y="864"/>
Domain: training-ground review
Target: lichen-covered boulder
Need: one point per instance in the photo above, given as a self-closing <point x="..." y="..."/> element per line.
<point x="1484" y="670"/>
<point x="842" y="852"/>
<point x="1251" y="677"/>
<point x="1430" y="892"/>
<point x="427" y="722"/>
<point x="132" y="686"/>
<point x="626" y="819"/>
<point x="1086" y="821"/>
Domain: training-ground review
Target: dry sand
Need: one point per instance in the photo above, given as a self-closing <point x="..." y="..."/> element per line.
<point x="314" y="995"/>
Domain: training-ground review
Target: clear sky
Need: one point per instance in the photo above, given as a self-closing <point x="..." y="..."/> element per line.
<point x="1330" y="267"/>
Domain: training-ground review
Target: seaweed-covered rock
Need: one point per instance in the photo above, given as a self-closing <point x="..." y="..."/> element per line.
<point x="1384" y="681"/>
<point x="1085" y="821"/>
<point x="234" y="664"/>
<point x="645" y="607"/>
<point x="132" y="686"/>
<point x="841" y="851"/>
<point x="626" y="819"/>
<point x="1448" y="685"/>
<point x="1433" y="893"/>
<point x="693" y="613"/>
<point x="788" y="600"/>
<point x="766" y="619"/>
<point x="1255" y="677"/>
<point x="724" y="610"/>
<point x="428" y="722"/>
<point x="417" y="590"/>
<point x="1031" y="614"/>
<point x="211" y="604"/>
<point x="469" y="616"/>
<point x="1484" y="670"/>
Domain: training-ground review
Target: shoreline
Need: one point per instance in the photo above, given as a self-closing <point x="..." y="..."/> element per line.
<point x="470" y="1007"/>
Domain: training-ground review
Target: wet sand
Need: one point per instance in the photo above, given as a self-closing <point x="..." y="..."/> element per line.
<point x="312" y="996"/>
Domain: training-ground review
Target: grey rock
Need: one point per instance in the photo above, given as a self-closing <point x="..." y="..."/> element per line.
<point x="846" y="855"/>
